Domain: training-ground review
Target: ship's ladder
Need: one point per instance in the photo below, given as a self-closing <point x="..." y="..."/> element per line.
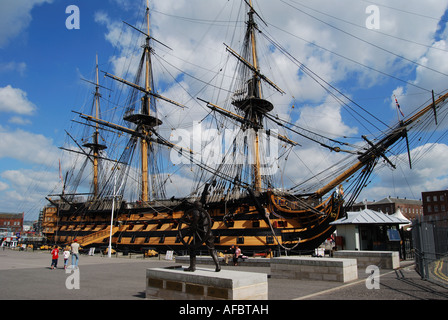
<point x="97" y="236"/>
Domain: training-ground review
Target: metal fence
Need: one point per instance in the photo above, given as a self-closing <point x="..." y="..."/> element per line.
<point x="430" y="239"/>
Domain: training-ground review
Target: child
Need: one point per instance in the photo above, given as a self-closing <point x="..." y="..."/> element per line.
<point x="55" y="257"/>
<point x="66" y="256"/>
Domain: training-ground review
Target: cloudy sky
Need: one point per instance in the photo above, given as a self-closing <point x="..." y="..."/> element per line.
<point x="398" y="49"/>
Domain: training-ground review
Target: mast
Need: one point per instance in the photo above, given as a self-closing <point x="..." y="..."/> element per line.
<point x="95" y="146"/>
<point x="96" y="134"/>
<point x="143" y="119"/>
<point x="257" y="85"/>
<point x="146" y="111"/>
<point x="253" y="106"/>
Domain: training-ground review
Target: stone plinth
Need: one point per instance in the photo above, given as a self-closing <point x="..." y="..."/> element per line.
<point x="381" y="259"/>
<point x="205" y="284"/>
<point x="252" y="262"/>
<point x="327" y="269"/>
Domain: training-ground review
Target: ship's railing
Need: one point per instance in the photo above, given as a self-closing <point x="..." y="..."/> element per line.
<point x="288" y="204"/>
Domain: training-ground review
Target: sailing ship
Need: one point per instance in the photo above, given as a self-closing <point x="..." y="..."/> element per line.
<point x="240" y="189"/>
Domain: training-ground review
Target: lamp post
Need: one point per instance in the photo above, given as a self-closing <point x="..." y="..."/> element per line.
<point x="109" y="253"/>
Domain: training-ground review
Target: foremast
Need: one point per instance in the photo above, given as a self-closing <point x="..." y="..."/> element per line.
<point x="146" y="123"/>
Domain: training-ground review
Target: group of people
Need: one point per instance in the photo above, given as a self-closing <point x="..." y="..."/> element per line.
<point x="235" y="253"/>
<point x="73" y="251"/>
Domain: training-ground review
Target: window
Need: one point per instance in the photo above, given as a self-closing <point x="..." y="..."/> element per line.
<point x="269" y="240"/>
<point x="434" y="198"/>
<point x="282" y="224"/>
<point x="393" y="235"/>
<point x="428" y="198"/>
<point x="429" y="209"/>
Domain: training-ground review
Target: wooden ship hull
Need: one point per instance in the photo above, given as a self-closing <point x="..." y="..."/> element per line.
<point x="138" y="227"/>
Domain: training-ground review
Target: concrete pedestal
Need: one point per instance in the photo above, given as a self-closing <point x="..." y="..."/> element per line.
<point x="328" y="269"/>
<point x="252" y="262"/>
<point x="205" y="284"/>
<point x="381" y="259"/>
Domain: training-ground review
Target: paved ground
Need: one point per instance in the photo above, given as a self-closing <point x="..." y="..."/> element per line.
<point x="27" y="276"/>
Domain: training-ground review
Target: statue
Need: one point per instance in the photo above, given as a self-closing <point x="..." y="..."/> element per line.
<point x="195" y="228"/>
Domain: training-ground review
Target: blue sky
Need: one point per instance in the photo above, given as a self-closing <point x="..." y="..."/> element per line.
<point x="42" y="62"/>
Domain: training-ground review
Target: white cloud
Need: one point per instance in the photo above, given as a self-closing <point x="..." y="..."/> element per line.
<point x="21" y="180"/>
<point x="14" y="100"/>
<point x="410" y="97"/>
<point x="15" y="16"/>
<point x="25" y="190"/>
<point x="19" y="67"/>
<point x="27" y="147"/>
<point x="3" y="186"/>
<point x="427" y="174"/>
<point x="19" y="121"/>
<point x="325" y="118"/>
<point x="123" y="38"/>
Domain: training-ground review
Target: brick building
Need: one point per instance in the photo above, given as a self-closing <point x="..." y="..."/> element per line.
<point x="408" y="207"/>
<point x="11" y="222"/>
<point x="435" y="202"/>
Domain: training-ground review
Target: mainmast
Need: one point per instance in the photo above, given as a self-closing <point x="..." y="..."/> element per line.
<point x="146" y="111"/>
<point x="144" y="120"/>
<point x="257" y="92"/>
<point x="253" y="106"/>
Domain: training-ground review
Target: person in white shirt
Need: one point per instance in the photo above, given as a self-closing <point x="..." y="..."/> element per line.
<point x="75" y="253"/>
<point x="66" y="256"/>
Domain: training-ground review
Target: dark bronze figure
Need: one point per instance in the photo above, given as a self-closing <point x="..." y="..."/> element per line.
<point x="195" y="228"/>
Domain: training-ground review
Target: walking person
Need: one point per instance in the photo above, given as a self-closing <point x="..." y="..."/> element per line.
<point x="75" y="253"/>
<point x="54" y="257"/>
<point x="66" y="255"/>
